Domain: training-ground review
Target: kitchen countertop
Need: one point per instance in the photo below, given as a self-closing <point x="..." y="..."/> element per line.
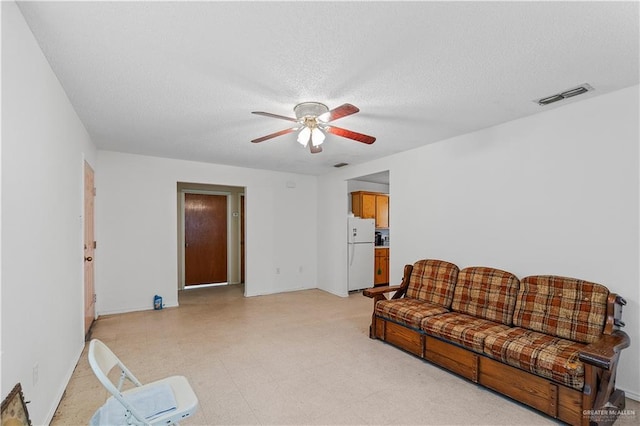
<point x="382" y="247"/>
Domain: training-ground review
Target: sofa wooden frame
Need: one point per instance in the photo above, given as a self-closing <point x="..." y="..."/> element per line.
<point x="599" y="403"/>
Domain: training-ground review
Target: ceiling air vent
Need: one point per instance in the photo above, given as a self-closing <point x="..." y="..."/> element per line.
<point x="584" y="88"/>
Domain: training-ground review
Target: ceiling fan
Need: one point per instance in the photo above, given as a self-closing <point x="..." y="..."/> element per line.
<point x="312" y="120"/>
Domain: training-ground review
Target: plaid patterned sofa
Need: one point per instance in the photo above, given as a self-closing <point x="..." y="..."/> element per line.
<point x="550" y="342"/>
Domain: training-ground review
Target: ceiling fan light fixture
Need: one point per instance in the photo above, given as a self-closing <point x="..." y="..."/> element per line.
<point x="304" y="136"/>
<point x="317" y="137"/>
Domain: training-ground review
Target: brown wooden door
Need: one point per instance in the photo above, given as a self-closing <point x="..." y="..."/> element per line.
<point x="89" y="248"/>
<point x="205" y="233"/>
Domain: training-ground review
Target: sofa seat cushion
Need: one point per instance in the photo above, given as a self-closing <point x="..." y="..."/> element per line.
<point x="433" y="281"/>
<point x="564" y="307"/>
<point x="486" y="293"/>
<point x="406" y="311"/>
<point x="540" y="354"/>
<point x="462" y="329"/>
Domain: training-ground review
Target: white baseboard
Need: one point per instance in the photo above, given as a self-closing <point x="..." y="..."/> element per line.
<point x="284" y="290"/>
<point x="138" y="309"/>
<point x="631" y="395"/>
<point x="335" y="293"/>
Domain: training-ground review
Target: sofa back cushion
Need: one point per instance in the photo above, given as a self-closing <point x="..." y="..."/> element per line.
<point x="563" y="307"/>
<point x="486" y="293"/>
<point x="433" y="281"/>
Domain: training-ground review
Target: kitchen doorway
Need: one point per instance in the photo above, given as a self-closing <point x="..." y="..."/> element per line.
<point x="369" y="200"/>
<point x="375" y="183"/>
<point x="209" y="235"/>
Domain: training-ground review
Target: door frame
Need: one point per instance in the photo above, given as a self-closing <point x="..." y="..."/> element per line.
<point x="182" y="242"/>
<point x="242" y="244"/>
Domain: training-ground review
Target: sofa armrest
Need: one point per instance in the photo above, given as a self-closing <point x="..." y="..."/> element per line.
<point x="379" y="291"/>
<point x="614" y="313"/>
<point x="604" y="352"/>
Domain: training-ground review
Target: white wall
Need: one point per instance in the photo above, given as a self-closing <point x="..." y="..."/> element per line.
<point x="136" y="217"/>
<point x="554" y="193"/>
<point x="44" y="145"/>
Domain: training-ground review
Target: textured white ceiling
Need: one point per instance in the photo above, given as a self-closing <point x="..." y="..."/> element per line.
<point x="180" y="79"/>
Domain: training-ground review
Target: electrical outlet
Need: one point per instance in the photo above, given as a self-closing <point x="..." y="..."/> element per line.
<point x="277" y="270"/>
<point x="300" y="269"/>
<point x="35" y="374"/>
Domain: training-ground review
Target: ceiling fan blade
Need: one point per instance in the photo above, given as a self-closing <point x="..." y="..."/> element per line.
<point x="315" y="149"/>
<point x="349" y="134"/>
<point x="268" y="114"/>
<point x="339" y="112"/>
<point x="276" y="134"/>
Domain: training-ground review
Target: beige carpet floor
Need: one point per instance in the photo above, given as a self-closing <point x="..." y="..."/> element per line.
<point x="300" y="358"/>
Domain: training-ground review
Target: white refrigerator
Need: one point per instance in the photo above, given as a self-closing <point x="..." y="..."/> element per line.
<point x="360" y="252"/>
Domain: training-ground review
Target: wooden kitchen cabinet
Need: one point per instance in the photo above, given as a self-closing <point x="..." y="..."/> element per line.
<point x="382" y="211"/>
<point x="381" y="273"/>
<point x="371" y="205"/>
